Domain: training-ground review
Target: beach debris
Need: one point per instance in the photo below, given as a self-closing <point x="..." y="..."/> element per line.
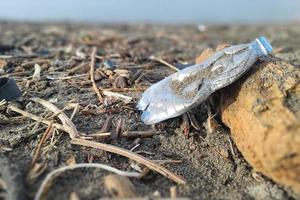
<point x="107" y="125"/>
<point x="185" y="124"/>
<point x="120" y="82"/>
<point x="3" y="64"/>
<point x="138" y="134"/>
<point x="173" y="192"/>
<point x="160" y="60"/>
<point x="47" y="182"/>
<point x="135" y="76"/>
<point x="195" y="124"/>
<point x="109" y="64"/>
<point x="37" y="72"/>
<point x="8" y="89"/>
<point x="120" y="186"/>
<point x="92" y="75"/>
<point x="115" y="95"/>
<point x="36" y="171"/>
<point x="133" y="156"/>
<point x="120" y="127"/>
<point x="38" y="150"/>
<point x="122" y="72"/>
<point x="202" y="28"/>
<point x="3" y="189"/>
<point x="74" y="196"/>
<point x="68" y="126"/>
<point x="187" y="88"/>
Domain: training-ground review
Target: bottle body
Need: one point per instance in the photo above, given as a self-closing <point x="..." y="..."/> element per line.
<point x="189" y="87"/>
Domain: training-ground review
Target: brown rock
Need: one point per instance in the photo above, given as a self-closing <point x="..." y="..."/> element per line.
<point x="262" y="111"/>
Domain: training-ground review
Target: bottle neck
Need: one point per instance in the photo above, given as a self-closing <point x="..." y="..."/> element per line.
<point x="262" y="46"/>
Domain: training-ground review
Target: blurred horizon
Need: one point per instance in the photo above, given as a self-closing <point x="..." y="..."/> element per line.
<point x="155" y="11"/>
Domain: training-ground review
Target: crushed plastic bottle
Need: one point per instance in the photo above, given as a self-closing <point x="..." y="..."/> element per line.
<point x="187" y="88"/>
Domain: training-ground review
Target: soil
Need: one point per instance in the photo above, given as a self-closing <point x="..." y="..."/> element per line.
<point x="212" y="167"/>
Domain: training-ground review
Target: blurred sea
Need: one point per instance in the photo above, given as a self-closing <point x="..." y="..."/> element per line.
<point x="152" y="11"/>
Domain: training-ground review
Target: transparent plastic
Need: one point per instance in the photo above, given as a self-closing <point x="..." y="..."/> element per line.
<point x="187" y="88"/>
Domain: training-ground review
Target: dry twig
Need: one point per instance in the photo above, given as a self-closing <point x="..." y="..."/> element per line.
<point x="2" y="102"/>
<point x="135" y="134"/>
<point x="37" y="72"/>
<point x="164" y="63"/>
<point x="120" y="127"/>
<point x="96" y="89"/>
<point x="135" y="76"/>
<point x="37" y="153"/>
<point x="67" y="124"/>
<point x="33" y="62"/>
<point x="69" y="127"/>
<point x="34" y="117"/>
<point x="107" y="124"/>
<point x="194" y="121"/>
<point x="76" y="108"/>
<point x="116" y="95"/>
<point x="173" y="192"/>
<point x="231" y="146"/>
<point x="139" y="89"/>
<point x="133" y="156"/>
<point x="167" y="161"/>
<point x="81" y="67"/>
<point x="147" y="198"/>
<point x="105" y="134"/>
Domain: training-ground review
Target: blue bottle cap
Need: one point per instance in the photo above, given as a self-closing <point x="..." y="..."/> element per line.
<point x="264" y="45"/>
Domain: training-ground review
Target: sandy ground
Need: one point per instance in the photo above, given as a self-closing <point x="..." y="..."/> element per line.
<point x="212" y="169"/>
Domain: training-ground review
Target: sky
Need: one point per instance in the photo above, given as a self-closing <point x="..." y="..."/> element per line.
<point x="152" y="11"/>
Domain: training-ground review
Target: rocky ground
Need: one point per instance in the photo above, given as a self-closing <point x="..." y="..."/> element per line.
<point x="207" y="158"/>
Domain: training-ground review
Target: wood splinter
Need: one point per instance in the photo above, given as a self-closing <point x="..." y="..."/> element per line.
<point x="135" y="134"/>
<point x="92" y="76"/>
